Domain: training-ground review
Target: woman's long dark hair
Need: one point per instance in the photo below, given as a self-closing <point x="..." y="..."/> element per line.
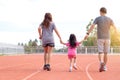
<point x="72" y="40"/>
<point x="47" y="20"/>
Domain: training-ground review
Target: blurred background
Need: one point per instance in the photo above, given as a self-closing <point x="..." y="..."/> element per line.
<point x="20" y="19"/>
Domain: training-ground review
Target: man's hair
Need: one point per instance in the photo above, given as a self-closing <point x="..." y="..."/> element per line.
<point x="103" y="10"/>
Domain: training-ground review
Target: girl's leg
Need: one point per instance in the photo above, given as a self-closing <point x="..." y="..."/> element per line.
<point x="75" y="60"/>
<point x="74" y="65"/>
<point x="70" y="69"/>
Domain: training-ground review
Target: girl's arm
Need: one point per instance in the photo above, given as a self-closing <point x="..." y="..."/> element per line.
<point x="83" y="40"/>
<point x="40" y="32"/>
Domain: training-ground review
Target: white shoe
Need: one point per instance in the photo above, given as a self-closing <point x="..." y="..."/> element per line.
<point x="75" y="67"/>
<point x="101" y="67"/>
<point x="104" y="68"/>
<point x="70" y="70"/>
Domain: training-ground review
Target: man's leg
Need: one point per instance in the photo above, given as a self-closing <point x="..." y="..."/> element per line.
<point x="100" y="57"/>
<point x="106" y="50"/>
<point x="105" y="58"/>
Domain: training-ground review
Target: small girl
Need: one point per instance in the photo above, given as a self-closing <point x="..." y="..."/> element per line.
<point x="72" y="46"/>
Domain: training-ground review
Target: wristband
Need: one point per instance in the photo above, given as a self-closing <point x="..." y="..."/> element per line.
<point x="87" y="33"/>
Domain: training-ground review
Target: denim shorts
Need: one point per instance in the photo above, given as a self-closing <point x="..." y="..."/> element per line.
<point x="49" y="44"/>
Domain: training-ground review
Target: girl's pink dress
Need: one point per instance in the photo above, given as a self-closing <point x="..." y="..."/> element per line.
<point x="72" y="51"/>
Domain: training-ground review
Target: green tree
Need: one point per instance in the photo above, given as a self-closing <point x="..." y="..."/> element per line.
<point x="30" y="43"/>
<point x="34" y="44"/>
<point x="36" y="40"/>
<point x="115" y="37"/>
<point x="31" y="47"/>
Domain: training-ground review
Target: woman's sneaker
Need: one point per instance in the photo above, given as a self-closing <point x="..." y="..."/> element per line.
<point x="45" y="67"/>
<point x="48" y="67"/>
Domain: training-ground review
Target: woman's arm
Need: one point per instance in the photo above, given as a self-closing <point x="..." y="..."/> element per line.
<point x="62" y="42"/>
<point x="56" y="31"/>
<point x="40" y="32"/>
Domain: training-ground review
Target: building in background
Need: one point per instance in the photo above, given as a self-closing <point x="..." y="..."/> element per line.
<point x="11" y="49"/>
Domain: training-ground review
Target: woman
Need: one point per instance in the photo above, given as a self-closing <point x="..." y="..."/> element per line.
<point x="46" y="34"/>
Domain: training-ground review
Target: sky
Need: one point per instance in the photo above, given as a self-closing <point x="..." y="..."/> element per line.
<point x="20" y="19"/>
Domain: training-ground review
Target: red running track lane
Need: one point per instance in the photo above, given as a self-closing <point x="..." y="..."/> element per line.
<point x="29" y="67"/>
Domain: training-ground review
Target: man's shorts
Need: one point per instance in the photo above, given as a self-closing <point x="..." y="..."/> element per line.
<point x="103" y="45"/>
<point x="49" y="44"/>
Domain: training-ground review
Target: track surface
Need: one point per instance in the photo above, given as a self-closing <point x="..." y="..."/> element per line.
<point x="29" y="67"/>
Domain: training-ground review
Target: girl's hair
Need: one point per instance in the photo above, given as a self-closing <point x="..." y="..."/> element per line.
<point x="47" y="20"/>
<point x="72" y="40"/>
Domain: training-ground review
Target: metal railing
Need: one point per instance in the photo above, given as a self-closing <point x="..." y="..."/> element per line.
<point x="14" y="49"/>
<point x="81" y="50"/>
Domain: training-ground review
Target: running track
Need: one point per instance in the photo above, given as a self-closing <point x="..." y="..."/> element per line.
<point x="29" y="67"/>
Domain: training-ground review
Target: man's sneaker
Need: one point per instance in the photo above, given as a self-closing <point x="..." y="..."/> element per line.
<point x="104" y="68"/>
<point x="70" y="69"/>
<point x="101" y="67"/>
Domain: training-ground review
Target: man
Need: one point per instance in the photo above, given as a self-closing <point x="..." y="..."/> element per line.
<point x="103" y="36"/>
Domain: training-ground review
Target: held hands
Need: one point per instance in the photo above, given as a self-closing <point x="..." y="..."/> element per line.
<point x="40" y="37"/>
<point x="84" y="39"/>
<point x="61" y="41"/>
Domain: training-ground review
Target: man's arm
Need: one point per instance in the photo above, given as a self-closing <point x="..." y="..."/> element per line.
<point x="91" y="28"/>
<point x="89" y="31"/>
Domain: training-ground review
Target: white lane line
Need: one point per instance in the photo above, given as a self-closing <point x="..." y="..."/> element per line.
<point x="29" y="76"/>
<point x="87" y="72"/>
<point x="34" y="73"/>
